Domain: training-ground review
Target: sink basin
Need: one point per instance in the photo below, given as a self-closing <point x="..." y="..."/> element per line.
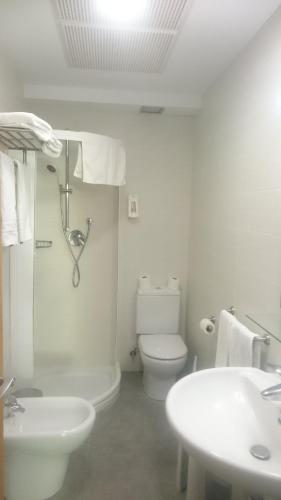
<point x="219" y="414"/>
<point x="39" y="441"/>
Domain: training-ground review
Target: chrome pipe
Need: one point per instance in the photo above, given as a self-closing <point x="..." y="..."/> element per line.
<point x="67" y="189"/>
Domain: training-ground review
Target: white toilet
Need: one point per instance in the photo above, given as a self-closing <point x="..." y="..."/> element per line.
<point x="162" y="350"/>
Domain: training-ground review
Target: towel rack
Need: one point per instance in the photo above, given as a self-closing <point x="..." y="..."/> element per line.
<point x="19" y="139"/>
<point x="265" y="339"/>
<point x="230" y="309"/>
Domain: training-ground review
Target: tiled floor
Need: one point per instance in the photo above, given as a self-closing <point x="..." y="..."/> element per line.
<point x="130" y="455"/>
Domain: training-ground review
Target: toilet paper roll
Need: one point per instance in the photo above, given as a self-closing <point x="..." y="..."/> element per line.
<point x="207" y="327"/>
<point x="173" y="283"/>
<point x="144" y="282"/>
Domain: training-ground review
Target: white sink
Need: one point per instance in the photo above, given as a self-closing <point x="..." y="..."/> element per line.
<point x="39" y="441"/>
<point x="219" y="414"/>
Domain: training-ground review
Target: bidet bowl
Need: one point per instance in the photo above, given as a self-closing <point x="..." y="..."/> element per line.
<point x="39" y="441"/>
<point x="219" y="414"/>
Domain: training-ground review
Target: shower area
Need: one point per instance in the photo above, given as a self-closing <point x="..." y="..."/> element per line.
<point x="75" y="283"/>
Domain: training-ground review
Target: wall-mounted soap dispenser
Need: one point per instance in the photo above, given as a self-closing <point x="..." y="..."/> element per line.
<point x="133" y="206"/>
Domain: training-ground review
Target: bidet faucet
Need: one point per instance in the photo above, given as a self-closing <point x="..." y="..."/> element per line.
<point x="11" y="406"/>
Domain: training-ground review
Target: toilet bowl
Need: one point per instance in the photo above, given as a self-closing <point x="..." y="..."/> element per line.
<point x="163" y="358"/>
<point x="162" y="349"/>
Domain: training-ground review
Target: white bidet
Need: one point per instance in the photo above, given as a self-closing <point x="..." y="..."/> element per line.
<point x="38" y="444"/>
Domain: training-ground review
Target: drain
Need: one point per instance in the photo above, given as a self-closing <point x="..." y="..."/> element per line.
<point x="260" y="452"/>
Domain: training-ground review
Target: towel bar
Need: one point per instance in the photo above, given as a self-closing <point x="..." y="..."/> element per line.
<point x="231" y="310"/>
<point x="266" y="339"/>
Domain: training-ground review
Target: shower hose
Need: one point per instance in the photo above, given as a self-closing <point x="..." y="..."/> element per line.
<point x="76" y="276"/>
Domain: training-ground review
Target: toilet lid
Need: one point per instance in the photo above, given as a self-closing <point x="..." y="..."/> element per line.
<point x="163" y="346"/>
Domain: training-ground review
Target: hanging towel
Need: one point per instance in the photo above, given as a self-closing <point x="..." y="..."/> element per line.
<point x="51" y="146"/>
<point x="9" y="227"/>
<point x="226" y="321"/>
<point x="242" y="345"/>
<point x="100" y="160"/>
<point x="24" y="179"/>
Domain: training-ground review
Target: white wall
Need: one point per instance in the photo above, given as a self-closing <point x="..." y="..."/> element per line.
<point x="236" y="194"/>
<point x="10" y="87"/>
<point x="159" y="171"/>
<point x="159" y="155"/>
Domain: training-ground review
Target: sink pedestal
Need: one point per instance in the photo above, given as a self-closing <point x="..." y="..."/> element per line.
<point x="195" y="481"/>
<point x="239" y="494"/>
<point x="196" y="484"/>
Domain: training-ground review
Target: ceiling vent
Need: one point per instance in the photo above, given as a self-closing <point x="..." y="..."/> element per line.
<point x="143" y="45"/>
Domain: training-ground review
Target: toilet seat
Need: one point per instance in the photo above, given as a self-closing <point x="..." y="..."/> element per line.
<point x="163" y="347"/>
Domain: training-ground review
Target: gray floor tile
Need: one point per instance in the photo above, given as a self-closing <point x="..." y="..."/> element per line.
<point x="130" y="455"/>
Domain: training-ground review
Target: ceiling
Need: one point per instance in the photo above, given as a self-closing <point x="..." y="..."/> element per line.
<point x="210" y="35"/>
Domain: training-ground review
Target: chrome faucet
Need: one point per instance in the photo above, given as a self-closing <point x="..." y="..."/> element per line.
<point x="11" y="404"/>
<point x="274" y="390"/>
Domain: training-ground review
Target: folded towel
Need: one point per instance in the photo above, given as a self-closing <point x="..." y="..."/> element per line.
<point x="241" y="345"/>
<point x="9" y="226"/>
<point x="51" y="145"/>
<point x="100" y="160"/>
<point x="24" y="180"/>
<point x="226" y="321"/>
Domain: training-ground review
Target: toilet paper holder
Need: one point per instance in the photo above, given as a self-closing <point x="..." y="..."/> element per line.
<point x="266" y="339"/>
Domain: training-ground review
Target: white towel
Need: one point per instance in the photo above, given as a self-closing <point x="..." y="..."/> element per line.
<point x="9" y="226"/>
<point x="226" y="322"/>
<point x="24" y="179"/>
<point x="100" y="160"/>
<point x="241" y="345"/>
<point x="51" y="145"/>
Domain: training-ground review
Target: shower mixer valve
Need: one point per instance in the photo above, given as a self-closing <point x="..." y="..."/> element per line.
<point x="77" y="238"/>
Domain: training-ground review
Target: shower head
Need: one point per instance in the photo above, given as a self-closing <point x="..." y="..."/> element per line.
<point x="51" y="169"/>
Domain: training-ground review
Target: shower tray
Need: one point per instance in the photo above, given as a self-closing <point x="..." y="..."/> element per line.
<point x="100" y="386"/>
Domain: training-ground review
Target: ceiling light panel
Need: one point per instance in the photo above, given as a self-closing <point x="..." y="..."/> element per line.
<point x="96" y="38"/>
